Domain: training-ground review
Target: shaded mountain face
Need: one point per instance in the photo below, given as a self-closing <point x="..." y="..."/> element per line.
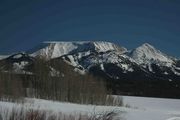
<point x="104" y="59"/>
<point x="18" y="62"/>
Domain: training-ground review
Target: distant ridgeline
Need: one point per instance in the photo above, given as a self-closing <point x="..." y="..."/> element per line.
<point x="143" y="71"/>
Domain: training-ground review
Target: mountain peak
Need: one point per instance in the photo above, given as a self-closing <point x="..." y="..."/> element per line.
<point x="147" y="45"/>
<point x="54" y="49"/>
<point x="146" y="54"/>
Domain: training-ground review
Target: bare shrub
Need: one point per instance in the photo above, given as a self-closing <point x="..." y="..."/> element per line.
<point x="108" y="115"/>
<point x="114" y="100"/>
<point x="30" y="114"/>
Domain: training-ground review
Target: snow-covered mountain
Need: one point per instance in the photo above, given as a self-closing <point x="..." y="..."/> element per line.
<point x="146" y="54"/>
<point x="154" y="60"/>
<point x="144" y="71"/>
<point x="106" y="59"/>
<point x="58" y="49"/>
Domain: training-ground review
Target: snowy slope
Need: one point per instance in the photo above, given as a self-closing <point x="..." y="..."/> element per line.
<point x="57" y="49"/>
<point x="89" y="60"/>
<point x="3" y="56"/>
<point x="146" y="54"/>
<point x="84" y="55"/>
<point x="139" y="108"/>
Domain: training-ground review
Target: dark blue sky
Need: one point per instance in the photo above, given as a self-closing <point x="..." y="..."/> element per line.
<point x="26" y="23"/>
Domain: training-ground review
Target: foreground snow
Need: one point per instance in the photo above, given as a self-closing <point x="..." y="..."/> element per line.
<point x="136" y="108"/>
<point x="153" y="108"/>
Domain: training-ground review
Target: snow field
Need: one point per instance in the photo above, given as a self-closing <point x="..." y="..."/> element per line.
<point x="136" y="108"/>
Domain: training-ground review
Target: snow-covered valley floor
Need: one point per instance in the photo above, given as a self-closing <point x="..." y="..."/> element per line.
<point x="136" y="108"/>
<point x="152" y="108"/>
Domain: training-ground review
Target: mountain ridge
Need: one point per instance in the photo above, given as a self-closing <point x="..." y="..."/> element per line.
<point x="57" y="49"/>
<point x="109" y="59"/>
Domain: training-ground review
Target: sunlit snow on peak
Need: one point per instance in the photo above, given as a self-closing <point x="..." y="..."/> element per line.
<point x="146" y="53"/>
<point x="55" y="49"/>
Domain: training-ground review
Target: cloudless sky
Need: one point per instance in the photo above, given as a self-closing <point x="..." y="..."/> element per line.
<point x="130" y="23"/>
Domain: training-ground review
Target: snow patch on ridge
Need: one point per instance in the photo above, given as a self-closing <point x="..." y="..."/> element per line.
<point x="17" y="56"/>
<point x="3" y="56"/>
<point x="18" y="67"/>
<point x="102" y="67"/>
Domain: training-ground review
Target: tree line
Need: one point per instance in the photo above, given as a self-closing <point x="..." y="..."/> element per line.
<point x="55" y="80"/>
